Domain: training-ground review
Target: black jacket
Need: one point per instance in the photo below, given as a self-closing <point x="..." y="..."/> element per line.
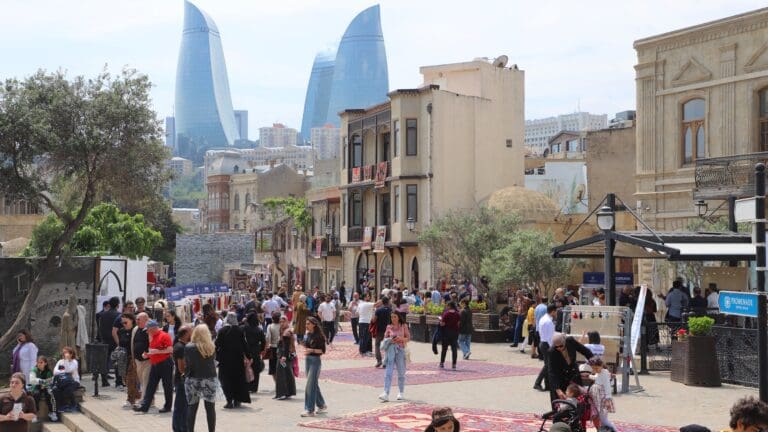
<point x="561" y="373"/>
<point x="465" y="324"/>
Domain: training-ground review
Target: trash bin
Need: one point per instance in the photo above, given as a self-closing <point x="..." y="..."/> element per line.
<point x="96" y="357"/>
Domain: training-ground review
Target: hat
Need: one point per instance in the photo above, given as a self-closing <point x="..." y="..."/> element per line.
<point x="152" y="323"/>
<point x="584" y="367"/>
<point x="439" y="417"/>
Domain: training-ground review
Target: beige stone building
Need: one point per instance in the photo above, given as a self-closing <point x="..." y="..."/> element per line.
<point x="447" y="145"/>
<point x="610" y="160"/>
<point x="17" y="220"/>
<point x="702" y="117"/>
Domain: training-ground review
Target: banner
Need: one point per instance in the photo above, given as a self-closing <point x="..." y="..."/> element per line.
<point x="205" y="289"/>
<point x="189" y="290"/>
<point x="367" y="233"/>
<point x="381" y="174"/>
<point x="637" y="320"/>
<point x="368" y="172"/>
<point x="381" y="237"/>
<point x="318" y="247"/>
<point x="356" y="175"/>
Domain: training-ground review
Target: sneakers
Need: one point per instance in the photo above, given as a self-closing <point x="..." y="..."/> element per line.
<point x="538" y="387"/>
<point x="400" y="396"/>
<point x="53" y="417"/>
<point x="127" y="405"/>
<point x="384" y="397"/>
<point x="466" y="356"/>
<point x="322" y="409"/>
<point x="307" y="414"/>
<point x="442" y="366"/>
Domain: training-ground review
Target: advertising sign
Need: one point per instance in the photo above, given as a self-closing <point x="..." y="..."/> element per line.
<point x="738" y="303"/>
<point x="381" y="237"/>
<point x="367" y="234"/>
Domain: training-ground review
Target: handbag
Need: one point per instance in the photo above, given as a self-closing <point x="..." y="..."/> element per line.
<point x="295" y="364"/>
<point x="267" y="354"/>
<point x="373" y="330"/>
<point x="249" y="375"/>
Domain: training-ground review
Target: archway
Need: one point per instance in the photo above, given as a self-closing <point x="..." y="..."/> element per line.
<point x="415" y="273"/>
<point x="361" y="272"/>
<point x="385" y="272"/>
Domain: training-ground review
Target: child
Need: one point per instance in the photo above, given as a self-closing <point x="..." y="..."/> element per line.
<point x="66" y="377"/>
<point x="601" y="393"/>
<point x="40" y="380"/>
<point x="573" y="391"/>
<point x="591" y="340"/>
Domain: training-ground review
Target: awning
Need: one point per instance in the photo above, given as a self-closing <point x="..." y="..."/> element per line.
<point x="674" y="246"/>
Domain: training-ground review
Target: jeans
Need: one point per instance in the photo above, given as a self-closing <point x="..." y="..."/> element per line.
<point x="312" y="395"/>
<point x="180" y="408"/>
<point x="450" y="339"/>
<point x="161" y="371"/>
<point x="464" y="341"/>
<point x="519" y="329"/>
<point x="329" y="328"/>
<point x="399" y="361"/>
<point x="355" y="322"/>
<point x="377" y="347"/>
<point x="365" y="338"/>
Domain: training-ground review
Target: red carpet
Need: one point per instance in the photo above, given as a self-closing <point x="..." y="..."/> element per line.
<point x="416" y="417"/>
<point x="338" y="351"/>
<point x="427" y="373"/>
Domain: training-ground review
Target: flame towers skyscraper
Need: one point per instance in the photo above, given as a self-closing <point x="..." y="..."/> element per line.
<point x="318" y="93"/>
<point x="204" y="114"/>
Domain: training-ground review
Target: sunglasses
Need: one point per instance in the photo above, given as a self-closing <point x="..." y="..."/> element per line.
<point x="559" y="346"/>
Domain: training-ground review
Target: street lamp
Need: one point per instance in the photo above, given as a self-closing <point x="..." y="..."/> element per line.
<point x="606" y="218"/>
<point x="701" y="208"/>
<point x="606" y="221"/>
<point x="411" y="224"/>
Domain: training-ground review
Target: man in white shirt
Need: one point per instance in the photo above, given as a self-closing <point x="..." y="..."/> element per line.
<point x="713" y="300"/>
<point x="365" y="312"/>
<point x="546" y="329"/>
<point x="269" y="306"/>
<point x="327" y="313"/>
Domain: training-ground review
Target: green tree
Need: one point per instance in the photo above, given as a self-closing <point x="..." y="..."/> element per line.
<point x="95" y="137"/>
<point x="461" y="239"/>
<point x="526" y="260"/>
<point x="187" y="191"/>
<point x="296" y="208"/>
<point x="105" y="231"/>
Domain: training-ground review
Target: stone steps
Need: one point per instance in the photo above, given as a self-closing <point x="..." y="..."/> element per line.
<point x="73" y="422"/>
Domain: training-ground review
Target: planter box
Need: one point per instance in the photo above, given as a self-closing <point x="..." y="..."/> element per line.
<point x="694" y="362"/>
<point x="485" y="321"/>
<point x="412" y="318"/>
<point x="432" y="319"/>
<point x="420" y="332"/>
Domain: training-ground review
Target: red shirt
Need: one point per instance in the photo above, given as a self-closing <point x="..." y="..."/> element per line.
<point x="161" y="340"/>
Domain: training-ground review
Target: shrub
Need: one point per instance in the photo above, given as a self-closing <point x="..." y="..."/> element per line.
<point x="700" y="326"/>
<point x="435" y="309"/>
<point x="477" y="306"/>
<point x="416" y="309"/>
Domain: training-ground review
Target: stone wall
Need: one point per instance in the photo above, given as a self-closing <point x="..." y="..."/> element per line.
<point x="204" y="257"/>
<point x="14" y="226"/>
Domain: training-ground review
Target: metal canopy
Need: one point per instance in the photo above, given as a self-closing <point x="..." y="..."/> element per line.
<point x="673" y="246"/>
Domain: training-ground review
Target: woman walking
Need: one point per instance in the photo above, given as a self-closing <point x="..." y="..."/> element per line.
<point x="172" y="323"/>
<point x="255" y="340"/>
<point x="200" y="376"/>
<point x="273" y="337"/>
<point x="449" y="323"/>
<point x="398" y="335"/>
<point x="24" y="354"/>
<point x="313" y="349"/>
<point x="230" y="352"/>
<point x="465" y="328"/>
<point x="125" y="338"/>
<point x="285" y="383"/>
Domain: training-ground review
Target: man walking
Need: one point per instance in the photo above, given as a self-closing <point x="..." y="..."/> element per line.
<point x="159" y="355"/>
<point x="179" y="423"/>
<point x="546" y="329"/>
<point x="382" y="319"/>
<point x="327" y="313"/>
<point x="140" y="345"/>
<point x="354" y="315"/>
<point x="365" y="313"/>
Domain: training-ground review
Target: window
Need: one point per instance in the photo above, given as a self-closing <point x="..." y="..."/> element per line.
<point x="344" y="153"/>
<point x="237" y="201"/>
<point x="693" y="131"/>
<point x="411" y="204"/>
<point x="357" y="209"/>
<point x="396" y="142"/>
<point x="411" y="143"/>
<point x="247" y="199"/>
<point x="764" y="120"/>
<point x="357" y="151"/>
<point x="345" y="210"/>
<point x="396" y="216"/>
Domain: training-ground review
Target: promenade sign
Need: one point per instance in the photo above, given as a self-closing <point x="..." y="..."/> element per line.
<point x="738" y="303"/>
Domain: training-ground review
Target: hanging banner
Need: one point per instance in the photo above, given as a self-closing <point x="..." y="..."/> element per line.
<point x="637" y="320"/>
<point x="381" y="236"/>
<point x="367" y="234"/>
<point x="381" y="174"/>
<point x="318" y="247"/>
<point x="205" y="289"/>
<point x="355" y="175"/>
<point x="189" y="290"/>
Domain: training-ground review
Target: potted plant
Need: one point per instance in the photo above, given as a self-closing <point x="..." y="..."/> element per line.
<point x="694" y="357"/>
<point x="416" y="315"/>
<point x="483" y="318"/>
<point x="433" y="313"/>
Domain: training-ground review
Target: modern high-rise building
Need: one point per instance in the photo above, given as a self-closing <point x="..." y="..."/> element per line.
<point x="325" y="141"/>
<point x="277" y="136"/>
<point x="538" y="132"/>
<point x="241" y="122"/>
<point x="360" y="74"/>
<point x="318" y="93"/>
<point x="170" y="133"/>
<point x="204" y="114"/>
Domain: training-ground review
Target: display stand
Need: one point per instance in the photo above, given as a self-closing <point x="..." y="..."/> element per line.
<point x="613" y="323"/>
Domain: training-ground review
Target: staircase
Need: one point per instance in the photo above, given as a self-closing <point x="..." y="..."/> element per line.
<point x="102" y="414"/>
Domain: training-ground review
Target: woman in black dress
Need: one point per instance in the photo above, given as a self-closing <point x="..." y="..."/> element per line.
<point x="286" y="351"/>
<point x="231" y="349"/>
<point x="563" y="369"/>
<point x="254" y="338"/>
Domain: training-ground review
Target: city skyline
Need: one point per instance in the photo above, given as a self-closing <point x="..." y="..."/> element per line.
<point x="580" y="58"/>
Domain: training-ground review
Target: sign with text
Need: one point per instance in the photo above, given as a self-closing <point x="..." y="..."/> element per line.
<point x="367" y="237"/>
<point x="738" y="303"/>
<point x="381" y="237"/>
<point x="598" y="278"/>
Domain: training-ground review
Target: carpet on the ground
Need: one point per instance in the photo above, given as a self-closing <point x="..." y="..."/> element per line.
<point x="407" y="417"/>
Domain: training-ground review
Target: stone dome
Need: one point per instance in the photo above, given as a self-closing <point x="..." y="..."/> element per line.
<point x="532" y="206"/>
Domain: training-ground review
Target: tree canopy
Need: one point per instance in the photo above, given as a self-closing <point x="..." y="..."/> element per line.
<point x="295" y="208"/>
<point x="95" y="138"/>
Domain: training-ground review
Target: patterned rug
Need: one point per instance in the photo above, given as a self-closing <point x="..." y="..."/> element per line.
<point x="408" y="417"/>
<point x="427" y="373"/>
<point x="338" y="351"/>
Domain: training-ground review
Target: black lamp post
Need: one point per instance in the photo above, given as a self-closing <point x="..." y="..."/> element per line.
<point x="760" y="258"/>
<point x="701" y="208"/>
<point x="606" y="221"/>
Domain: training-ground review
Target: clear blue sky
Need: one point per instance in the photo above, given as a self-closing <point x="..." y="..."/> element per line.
<point x="575" y="53"/>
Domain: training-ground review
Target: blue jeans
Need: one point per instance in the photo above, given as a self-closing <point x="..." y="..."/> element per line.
<point x="180" y="408"/>
<point x="312" y="395"/>
<point x="398" y="359"/>
<point x="464" y="340"/>
<point x="519" y="329"/>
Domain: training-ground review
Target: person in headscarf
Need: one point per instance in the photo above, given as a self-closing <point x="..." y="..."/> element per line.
<point x="285" y="382"/>
<point x="231" y="350"/>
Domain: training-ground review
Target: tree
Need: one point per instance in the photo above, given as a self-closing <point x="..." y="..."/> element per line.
<point x="295" y="208"/>
<point x="463" y="238"/>
<point x="526" y="260"/>
<point x="105" y="231"/>
<point x="99" y="137"/>
<point x="186" y="191"/>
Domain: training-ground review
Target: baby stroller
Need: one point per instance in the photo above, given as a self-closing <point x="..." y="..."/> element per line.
<point x="575" y="416"/>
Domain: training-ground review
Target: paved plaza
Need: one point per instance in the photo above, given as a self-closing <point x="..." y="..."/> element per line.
<point x="491" y="392"/>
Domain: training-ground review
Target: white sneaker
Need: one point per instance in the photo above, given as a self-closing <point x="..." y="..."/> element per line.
<point x="384" y="397"/>
<point x="322" y="409"/>
<point x="307" y="414"/>
<point x="400" y="396"/>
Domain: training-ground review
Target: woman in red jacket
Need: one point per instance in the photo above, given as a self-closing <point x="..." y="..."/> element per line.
<point x="449" y="322"/>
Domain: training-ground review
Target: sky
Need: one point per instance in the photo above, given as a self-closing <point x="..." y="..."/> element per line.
<point x="575" y="54"/>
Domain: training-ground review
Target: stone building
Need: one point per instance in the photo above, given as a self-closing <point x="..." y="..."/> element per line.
<point x="17" y="220"/>
<point x="205" y="257"/>
<point x="610" y="161"/>
<point x="447" y="145"/>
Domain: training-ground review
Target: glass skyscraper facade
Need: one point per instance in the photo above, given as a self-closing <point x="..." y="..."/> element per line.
<point x="204" y="114"/>
<point x="318" y="93"/>
<point x="360" y="74"/>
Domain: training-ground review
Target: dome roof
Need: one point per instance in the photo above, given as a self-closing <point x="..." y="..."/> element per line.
<point x="532" y="206"/>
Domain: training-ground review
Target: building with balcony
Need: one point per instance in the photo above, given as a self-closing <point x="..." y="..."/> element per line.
<point x="447" y="145"/>
<point x="324" y="252"/>
<point x="278" y="135"/>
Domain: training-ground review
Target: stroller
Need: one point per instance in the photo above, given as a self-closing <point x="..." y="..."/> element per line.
<point x="574" y="416"/>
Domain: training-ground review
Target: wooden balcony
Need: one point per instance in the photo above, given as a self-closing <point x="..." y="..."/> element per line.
<point x="371" y="174"/>
<point x="721" y="177"/>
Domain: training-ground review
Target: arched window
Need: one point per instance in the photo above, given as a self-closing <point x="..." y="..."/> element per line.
<point x="694" y="142"/>
<point x="763" y="119"/>
<point x="247" y="198"/>
<point x="237" y="201"/>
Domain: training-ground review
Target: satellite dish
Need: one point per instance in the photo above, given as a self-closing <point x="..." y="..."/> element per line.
<point x="501" y="61"/>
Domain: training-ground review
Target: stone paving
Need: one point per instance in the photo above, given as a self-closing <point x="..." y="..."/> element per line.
<point x="662" y="403"/>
